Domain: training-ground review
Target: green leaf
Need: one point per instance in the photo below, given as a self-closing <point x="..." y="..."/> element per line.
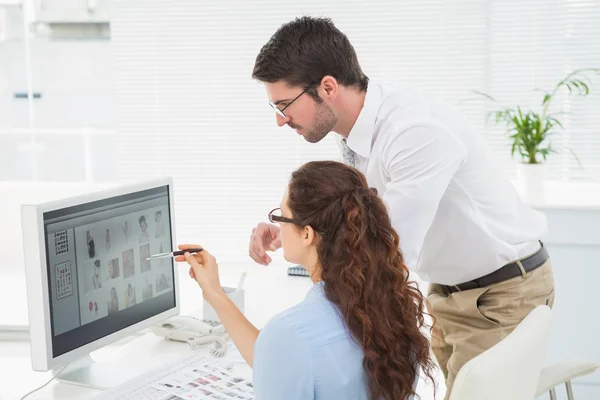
<point x="554" y="121"/>
<point x="575" y="155"/>
<point x="515" y="120"/>
<point x="547" y="97"/>
<point x="484" y="95"/>
<point x="586" y="88"/>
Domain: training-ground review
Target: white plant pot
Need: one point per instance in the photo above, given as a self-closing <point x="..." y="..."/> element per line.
<point x="531" y="182"/>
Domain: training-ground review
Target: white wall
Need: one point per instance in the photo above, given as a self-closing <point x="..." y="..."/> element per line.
<point x="75" y="80"/>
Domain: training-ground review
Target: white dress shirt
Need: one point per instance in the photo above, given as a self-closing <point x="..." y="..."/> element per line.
<point x="457" y="215"/>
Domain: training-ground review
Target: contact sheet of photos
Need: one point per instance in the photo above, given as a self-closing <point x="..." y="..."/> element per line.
<point x="116" y="274"/>
<point x="206" y="380"/>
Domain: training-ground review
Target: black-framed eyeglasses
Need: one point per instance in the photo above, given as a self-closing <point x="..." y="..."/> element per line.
<point x="275" y="217"/>
<point x="280" y="111"/>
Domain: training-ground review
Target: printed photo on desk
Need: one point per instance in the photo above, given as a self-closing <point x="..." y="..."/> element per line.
<point x="207" y="380"/>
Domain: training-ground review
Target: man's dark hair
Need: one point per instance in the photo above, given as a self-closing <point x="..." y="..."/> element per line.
<point x="305" y="50"/>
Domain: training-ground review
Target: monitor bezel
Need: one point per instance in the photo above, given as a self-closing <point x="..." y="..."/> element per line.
<point x="37" y="279"/>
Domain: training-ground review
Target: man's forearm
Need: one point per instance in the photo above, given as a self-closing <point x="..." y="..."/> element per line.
<point x="241" y="331"/>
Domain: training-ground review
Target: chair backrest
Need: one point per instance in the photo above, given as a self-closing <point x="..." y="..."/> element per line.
<point x="511" y="369"/>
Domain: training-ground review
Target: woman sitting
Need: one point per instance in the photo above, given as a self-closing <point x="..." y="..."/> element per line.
<point x="357" y="334"/>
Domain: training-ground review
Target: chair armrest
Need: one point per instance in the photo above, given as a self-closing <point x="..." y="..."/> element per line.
<point x="561" y="372"/>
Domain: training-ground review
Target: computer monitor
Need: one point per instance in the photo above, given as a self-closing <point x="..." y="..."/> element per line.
<point x="88" y="280"/>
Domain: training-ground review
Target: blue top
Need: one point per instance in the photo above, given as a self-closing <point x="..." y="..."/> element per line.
<point x="306" y="352"/>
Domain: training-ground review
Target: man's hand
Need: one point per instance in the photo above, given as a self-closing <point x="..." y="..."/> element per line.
<point x="264" y="237"/>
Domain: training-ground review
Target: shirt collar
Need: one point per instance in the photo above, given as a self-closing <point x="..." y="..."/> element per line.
<point x="318" y="289"/>
<point x="361" y="135"/>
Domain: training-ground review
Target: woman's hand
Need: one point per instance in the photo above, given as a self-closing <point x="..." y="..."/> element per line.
<point x="204" y="269"/>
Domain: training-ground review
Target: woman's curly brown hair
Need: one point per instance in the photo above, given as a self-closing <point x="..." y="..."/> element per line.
<point x="364" y="274"/>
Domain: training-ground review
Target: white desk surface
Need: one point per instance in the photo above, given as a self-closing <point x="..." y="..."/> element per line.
<point x="269" y="290"/>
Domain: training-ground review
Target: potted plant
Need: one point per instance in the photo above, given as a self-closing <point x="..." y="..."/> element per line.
<point x="530" y="130"/>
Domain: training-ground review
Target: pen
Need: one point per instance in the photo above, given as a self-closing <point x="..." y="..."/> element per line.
<point x="173" y="254"/>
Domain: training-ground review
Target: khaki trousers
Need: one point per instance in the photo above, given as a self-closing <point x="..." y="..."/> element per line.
<point x="469" y="322"/>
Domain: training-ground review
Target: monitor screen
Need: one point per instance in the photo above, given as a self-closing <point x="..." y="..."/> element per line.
<point x="99" y="279"/>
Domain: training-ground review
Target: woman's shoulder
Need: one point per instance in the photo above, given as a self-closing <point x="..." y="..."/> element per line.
<point x="314" y="321"/>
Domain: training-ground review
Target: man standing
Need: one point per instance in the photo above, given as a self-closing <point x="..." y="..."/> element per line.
<point x="462" y="226"/>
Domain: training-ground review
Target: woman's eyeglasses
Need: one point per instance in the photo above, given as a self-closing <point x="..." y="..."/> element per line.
<point x="276" y="216"/>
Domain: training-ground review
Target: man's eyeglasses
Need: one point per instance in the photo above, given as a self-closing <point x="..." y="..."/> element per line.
<point x="275" y="216"/>
<point x="280" y="111"/>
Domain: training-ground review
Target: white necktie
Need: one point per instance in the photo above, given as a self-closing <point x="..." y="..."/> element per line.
<point x="347" y="154"/>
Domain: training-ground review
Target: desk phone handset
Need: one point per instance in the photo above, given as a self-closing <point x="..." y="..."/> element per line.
<point x="194" y="332"/>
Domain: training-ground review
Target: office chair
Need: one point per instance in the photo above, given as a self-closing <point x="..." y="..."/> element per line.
<point x="511" y="369"/>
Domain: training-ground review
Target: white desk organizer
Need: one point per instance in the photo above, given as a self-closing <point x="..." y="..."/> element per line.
<point x="237" y="296"/>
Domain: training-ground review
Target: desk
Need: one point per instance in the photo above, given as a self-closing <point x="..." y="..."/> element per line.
<point x="269" y="290"/>
<point x="573" y="213"/>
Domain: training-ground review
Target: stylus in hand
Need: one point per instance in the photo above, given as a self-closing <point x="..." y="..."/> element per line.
<point x="173" y="254"/>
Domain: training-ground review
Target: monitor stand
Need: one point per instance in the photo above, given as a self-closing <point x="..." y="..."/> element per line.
<point x="111" y="366"/>
<point x="98" y="375"/>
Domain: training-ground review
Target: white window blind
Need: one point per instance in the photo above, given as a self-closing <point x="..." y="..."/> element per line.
<point x="186" y="105"/>
<point x="534" y="44"/>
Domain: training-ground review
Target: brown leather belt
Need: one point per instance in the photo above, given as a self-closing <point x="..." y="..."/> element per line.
<point x="507" y="272"/>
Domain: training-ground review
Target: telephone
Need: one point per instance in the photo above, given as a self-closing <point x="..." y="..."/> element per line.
<point x="194" y="332"/>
